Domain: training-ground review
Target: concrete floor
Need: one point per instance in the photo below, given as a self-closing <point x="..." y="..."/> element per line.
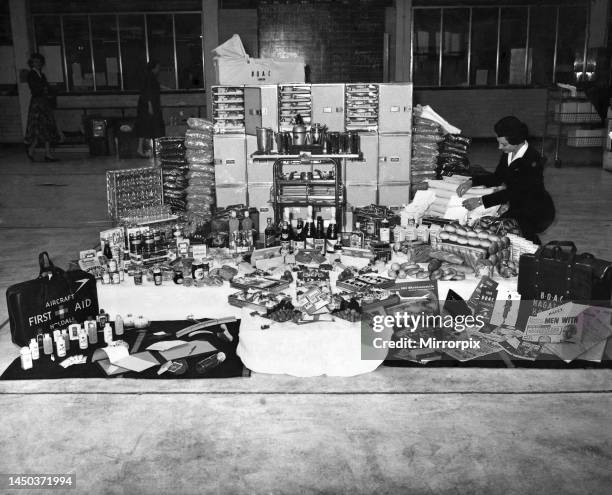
<point x="430" y="431"/>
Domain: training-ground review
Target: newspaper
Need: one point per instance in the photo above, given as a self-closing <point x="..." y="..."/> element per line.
<point x="520" y="349"/>
<point x="482" y="346"/>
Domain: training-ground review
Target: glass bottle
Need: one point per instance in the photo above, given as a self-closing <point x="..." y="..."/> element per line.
<point x="269" y="234"/>
<point x="332" y="237"/>
<point x="319" y="239"/>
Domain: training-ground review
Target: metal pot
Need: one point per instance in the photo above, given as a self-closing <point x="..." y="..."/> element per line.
<point x="264" y="139"/>
<point x="300" y="135"/>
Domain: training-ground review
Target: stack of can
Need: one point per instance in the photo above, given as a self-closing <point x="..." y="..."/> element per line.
<point x="171" y="152"/>
<point x="201" y="176"/>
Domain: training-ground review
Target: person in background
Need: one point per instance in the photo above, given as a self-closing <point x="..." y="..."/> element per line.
<point x="41" y="127"/>
<point x="149" y="120"/>
<point x="521" y="170"/>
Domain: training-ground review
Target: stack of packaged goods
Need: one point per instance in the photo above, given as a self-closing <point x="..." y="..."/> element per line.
<point x="201" y="175"/>
<point x="171" y="151"/>
<point x="426" y="135"/>
<point x="453" y="157"/>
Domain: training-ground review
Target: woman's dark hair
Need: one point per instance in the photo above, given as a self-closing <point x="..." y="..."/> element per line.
<point x="512" y="129"/>
<point x="36" y="56"/>
<point x="151" y="64"/>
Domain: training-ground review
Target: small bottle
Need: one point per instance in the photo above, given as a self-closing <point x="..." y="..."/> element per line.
<point x="92" y="331"/>
<point x="34" y="350"/>
<point x="60" y="346"/>
<point x="399" y="234"/>
<point x="411" y="230"/>
<point x="285" y="238"/>
<point x="234" y="223"/>
<point x="26" y="358"/>
<point x="384" y="233"/>
<point x="210" y="362"/>
<point x="269" y="234"/>
<point x="247" y="223"/>
<point x="112" y="265"/>
<point x="157" y="275"/>
<point x="83" y="339"/>
<point x="66" y="338"/>
<point x="47" y="344"/>
<point x="108" y="333"/>
<point x="106" y="279"/>
<point x="118" y="325"/>
<point x="332" y="236"/>
<point x="298" y="241"/>
<point x="102" y="319"/>
<point x="107" y="250"/>
<point x="319" y="238"/>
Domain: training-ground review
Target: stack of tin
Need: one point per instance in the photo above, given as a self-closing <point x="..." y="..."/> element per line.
<point x="171" y="152"/>
<point x="201" y="175"/>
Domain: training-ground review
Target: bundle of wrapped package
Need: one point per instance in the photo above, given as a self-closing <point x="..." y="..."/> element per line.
<point x="201" y="174"/>
<point x="426" y="135"/>
<point x="453" y="157"/>
<point x="447" y="204"/>
<point x="171" y="152"/>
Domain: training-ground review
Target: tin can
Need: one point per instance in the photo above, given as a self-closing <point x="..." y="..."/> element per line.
<point x="157" y="276"/>
<point x="112" y="265"/>
<point x="197" y="270"/>
<point x="116" y="279"/>
<point x="138" y="277"/>
<point x="178" y="277"/>
<point x="106" y="277"/>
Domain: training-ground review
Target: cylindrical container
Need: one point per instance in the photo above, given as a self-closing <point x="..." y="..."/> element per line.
<point x="115" y="278"/>
<point x="157" y="276"/>
<point x="106" y="277"/>
<point x="112" y="265"/>
<point x="118" y="325"/>
<point x="197" y="270"/>
<point x="60" y="346"/>
<point x="26" y="358"/>
<point x="138" y="277"/>
<point x="47" y="344"/>
<point x="264" y="139"/>
<point x="34" y="350"/>
<point x="178" y="277"/>
<point x="92" y="332"/>
<point x="83" y="339"/>
<point x="73" y="331"/>
<point x="210" y="362"/>
<point x="66" y="338"/>
<point x="108" y="333"/>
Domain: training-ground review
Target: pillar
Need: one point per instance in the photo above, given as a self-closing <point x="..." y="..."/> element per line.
<point x="403" y="20"/>
<point x="210" y="27"/>
<point x="22" y="46"/>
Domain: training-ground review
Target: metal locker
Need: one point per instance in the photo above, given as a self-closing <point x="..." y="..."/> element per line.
<point x="261" y="108"/>
<point x="365" y="171"/>
<point x="230" y="160"/>
<point x="257" y="170"/>
<point x="361" y="194"/>
<point x="328" y="105"/>
<point x="397" y="194"/>
<point x="394" y="154"/>
<point x="395" y="107"/>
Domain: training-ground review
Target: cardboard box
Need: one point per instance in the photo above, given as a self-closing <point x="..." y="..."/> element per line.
<point x="255" y="71"/>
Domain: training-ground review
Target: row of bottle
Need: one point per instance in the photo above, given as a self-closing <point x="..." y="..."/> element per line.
<point x="241" y="232"/>
<point x="307" y="235"/>
<point x="59" y="342"/>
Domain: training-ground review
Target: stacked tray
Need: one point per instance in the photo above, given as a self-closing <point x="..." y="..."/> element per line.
<point x="228" y="109"/>
<point x="361" y="107"/>
<point x="294" y="99"/>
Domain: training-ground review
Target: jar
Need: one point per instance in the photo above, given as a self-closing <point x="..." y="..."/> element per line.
<point x="157" y="275"/>
<point x="138" y="277"/>
<point x="197" y="270"/>
<point x="178" y="277"/>
<point x="115" y="278"/>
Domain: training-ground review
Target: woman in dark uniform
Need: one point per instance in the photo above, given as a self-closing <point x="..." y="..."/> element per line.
<point x="41" y="127"/>
<point x="520" y="169"/>
<point x="149" y="120"/>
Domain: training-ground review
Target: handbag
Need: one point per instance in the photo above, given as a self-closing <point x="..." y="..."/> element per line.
<point x="53" y="300"/>
<point x="555" y="275"/>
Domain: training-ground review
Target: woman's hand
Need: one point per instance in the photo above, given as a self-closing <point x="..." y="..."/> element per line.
<point x="464" y="187"/>
<point x="472" y="203"/>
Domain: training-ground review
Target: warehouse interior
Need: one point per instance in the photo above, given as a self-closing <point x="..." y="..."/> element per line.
<point x="430" y="430"/>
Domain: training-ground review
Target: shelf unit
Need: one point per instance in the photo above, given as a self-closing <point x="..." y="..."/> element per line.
<point x="307" y="192"/>
<point x="566" y="114"/>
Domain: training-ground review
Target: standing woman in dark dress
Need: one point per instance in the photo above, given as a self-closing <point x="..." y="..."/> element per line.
<point x="149" y="120"/>
<point x="41" y="127"/>
<point x="521" y="170"/>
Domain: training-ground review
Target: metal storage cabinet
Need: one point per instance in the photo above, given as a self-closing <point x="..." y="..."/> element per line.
<point x="261" y="107"/>
<point x="257" y="170"/>
<point x="394" y="153"/>
<point x="230" y="195"/>
<point x="230" y="160"/>
<point x="228" y="109"/>
<point x="328" y="105"/>
<point x="365" y="171"/>
<point x="395" y="108"/>
<point x="394" y="194"/>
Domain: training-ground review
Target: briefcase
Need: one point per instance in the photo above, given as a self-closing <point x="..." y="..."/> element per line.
<point x="555" y="274"/>
<point x="53" y="300"/>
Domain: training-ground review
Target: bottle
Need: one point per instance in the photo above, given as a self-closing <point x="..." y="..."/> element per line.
<point x="285" y="238"/>
<point x="26" y="358"/>
<point x="384" y="232"/>
<point x="399" y="234"/>
<point x="319" y="239"/>
<point x="34" y="350"/>
<point x="60" y="346"/>
<point x="357" y="236"/>
<point x="118" y="325"/>
<point x="234" y="226"/>
<point x="66" y="338"/>
<point x="309" y="235"/>
<point x="106" y="279"/>
<point x="157" y="275"/>
<point x="107" y="250"/>
<point x="247" y="223"/>
<point x="332" y="237"/>
<point x="269" y="234"/>
<point x="47" y="344"/>
<point x="297" y="242"/>
<point x="83" y="339"/>
<point x="92" y="331"/>
<point x="102" y="318"/>
<point x="108" y="333"/>
<point x="411" y="230"/>
<point x="210" y="362"/>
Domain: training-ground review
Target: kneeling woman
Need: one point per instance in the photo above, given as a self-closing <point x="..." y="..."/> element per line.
<point x="520" y="169"/>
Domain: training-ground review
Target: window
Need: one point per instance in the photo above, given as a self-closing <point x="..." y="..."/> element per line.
<point x="502" y="45"/>
<point x="109" y="52"/>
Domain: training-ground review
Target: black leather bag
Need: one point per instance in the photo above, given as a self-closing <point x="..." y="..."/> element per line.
<point x="53" y="300"/>
<point x="555" y="274"/>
